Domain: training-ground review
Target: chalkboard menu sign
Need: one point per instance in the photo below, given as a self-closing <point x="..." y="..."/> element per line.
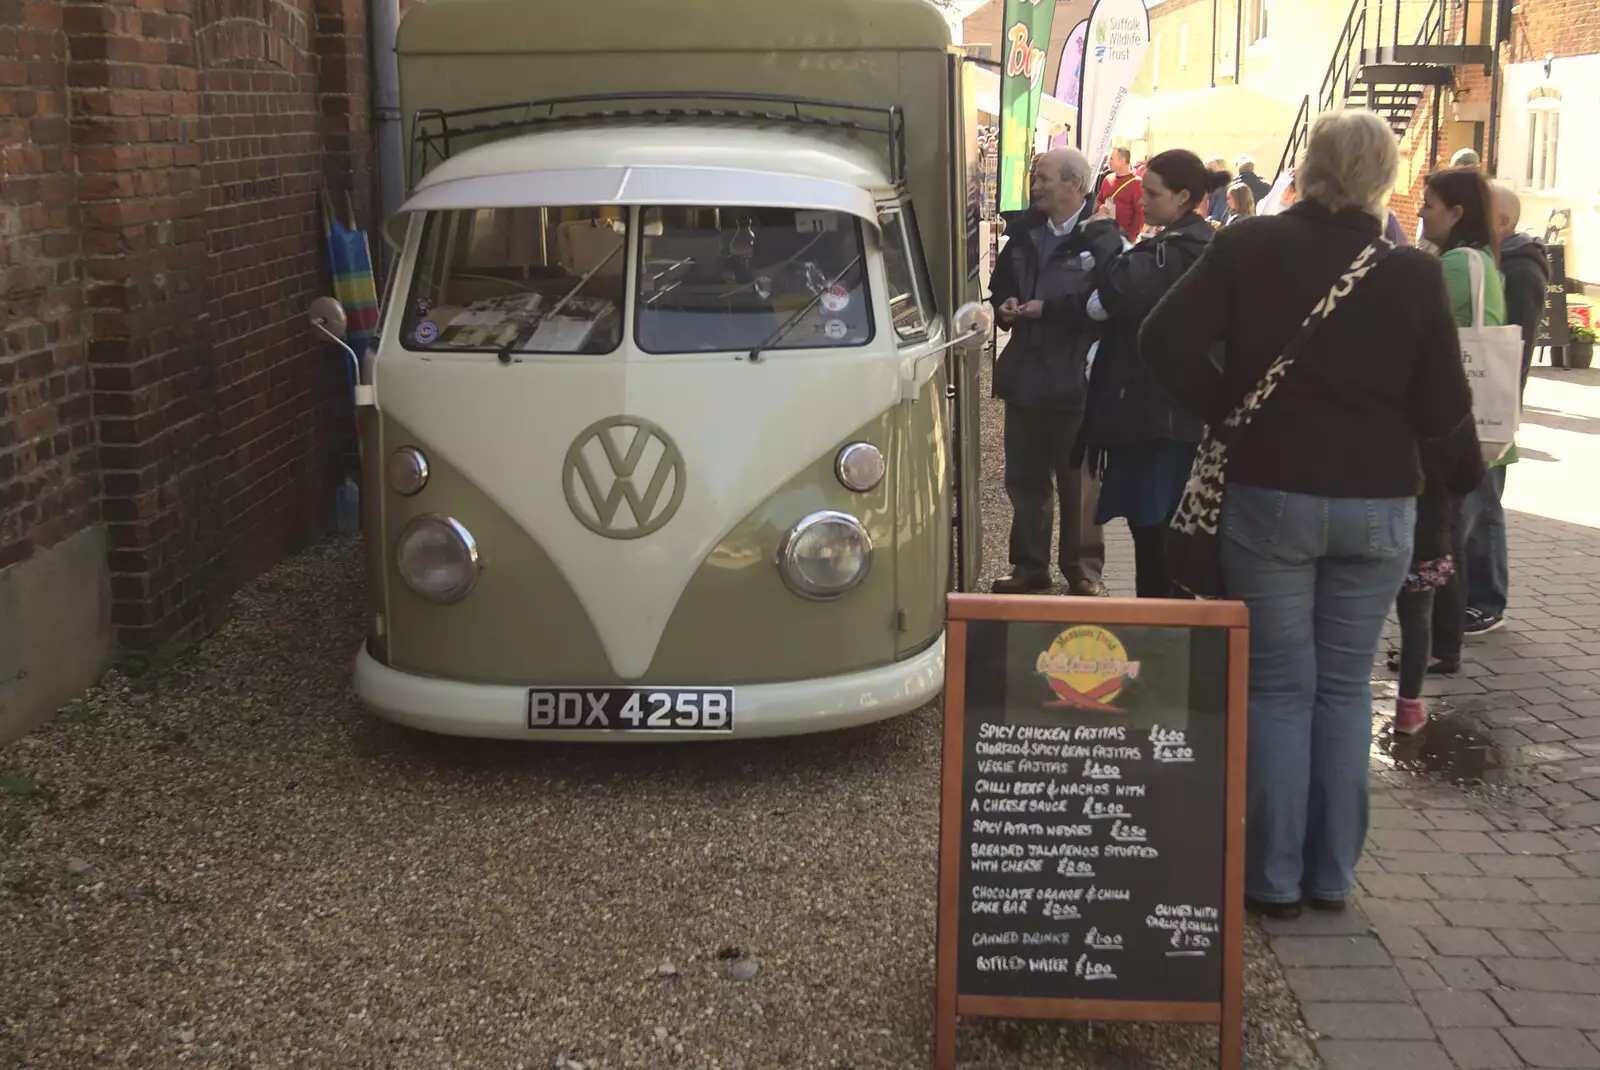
<point x="1092" y="825"/>
<point x="1552" y="330"/>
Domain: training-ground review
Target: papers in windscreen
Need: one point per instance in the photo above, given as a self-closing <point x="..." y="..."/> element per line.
<point x="560" y="334"/>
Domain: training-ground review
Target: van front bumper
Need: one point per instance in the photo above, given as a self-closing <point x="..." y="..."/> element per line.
<point x="500" y="711"/>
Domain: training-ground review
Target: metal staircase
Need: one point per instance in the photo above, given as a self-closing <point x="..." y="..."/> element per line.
<point x="1371" y="68"/>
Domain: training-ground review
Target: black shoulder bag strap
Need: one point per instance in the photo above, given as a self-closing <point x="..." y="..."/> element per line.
<point x="1192" y="550"/>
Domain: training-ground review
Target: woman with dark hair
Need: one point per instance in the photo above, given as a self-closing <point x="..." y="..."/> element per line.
<point x="1137" y="440"/>
<point x="1458" y="218"/>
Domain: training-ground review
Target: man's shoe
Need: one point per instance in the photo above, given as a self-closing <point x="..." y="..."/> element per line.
<point x="1088" y="589"/>
<point x="1021" y="583"/>
<point x="1483" y="623"/>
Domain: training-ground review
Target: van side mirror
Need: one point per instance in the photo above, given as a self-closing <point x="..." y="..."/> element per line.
<point x="327" y="316"/>
<point x="972" y="323"/>
<point x="329" y="320"/>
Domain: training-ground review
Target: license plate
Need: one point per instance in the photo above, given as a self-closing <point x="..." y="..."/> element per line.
<point x="631" y="709"/>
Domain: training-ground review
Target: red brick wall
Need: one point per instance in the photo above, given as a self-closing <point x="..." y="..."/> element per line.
<point x="271" y="393"/>
<point x="1564" y="27"/>
<point x="48" y="480"/>
<point x="160" y="235"/>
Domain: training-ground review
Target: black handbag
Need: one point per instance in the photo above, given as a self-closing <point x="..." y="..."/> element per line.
<point x="1193" y="553"/>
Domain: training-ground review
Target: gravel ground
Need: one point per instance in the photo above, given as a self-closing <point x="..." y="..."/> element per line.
<point x="226" y="862"/>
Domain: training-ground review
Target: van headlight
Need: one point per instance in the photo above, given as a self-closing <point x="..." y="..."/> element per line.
<point x="825" y="555"/>
<point x="438" y="558"/>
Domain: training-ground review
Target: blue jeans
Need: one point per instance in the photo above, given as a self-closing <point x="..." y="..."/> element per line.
<point x="1486" y="570"/>
<point x="1318" y="576"/>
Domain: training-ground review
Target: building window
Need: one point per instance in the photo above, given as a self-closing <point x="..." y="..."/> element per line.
<point x="1183" y="47"/>
<point x="1257" y="25"/>
<point x="1544" y="136"/>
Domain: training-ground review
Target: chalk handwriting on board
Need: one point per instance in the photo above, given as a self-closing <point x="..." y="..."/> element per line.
<point x="1094" y="971"/>
<point x="1170" y="746"/>
<point x="1102" y="941"/>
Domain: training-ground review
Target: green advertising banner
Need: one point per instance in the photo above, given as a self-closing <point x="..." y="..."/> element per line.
<point x="1027" y="36"/>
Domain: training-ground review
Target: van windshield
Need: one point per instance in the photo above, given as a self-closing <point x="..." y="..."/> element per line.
<point x="521" y="280"/>
<point x="725" y="278"/>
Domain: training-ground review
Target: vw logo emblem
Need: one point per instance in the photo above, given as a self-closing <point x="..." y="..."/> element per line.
<point x="623" y="460"/>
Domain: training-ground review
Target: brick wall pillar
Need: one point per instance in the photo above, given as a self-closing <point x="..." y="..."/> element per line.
<point x="204" y="131"/>
<point x="135" y="123"/>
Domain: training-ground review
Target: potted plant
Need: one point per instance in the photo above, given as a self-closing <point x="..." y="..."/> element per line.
<point x="1580" y="344"/>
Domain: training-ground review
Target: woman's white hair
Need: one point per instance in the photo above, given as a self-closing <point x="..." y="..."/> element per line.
<point x="1351" y="160"/>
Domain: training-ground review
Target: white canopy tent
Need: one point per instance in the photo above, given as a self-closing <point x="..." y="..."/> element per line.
<point x="1055" y="116"/>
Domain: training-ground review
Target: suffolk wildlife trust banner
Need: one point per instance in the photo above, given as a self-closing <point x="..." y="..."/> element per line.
<point x="1118" y="38"/>
<point x="1027" y="35"/>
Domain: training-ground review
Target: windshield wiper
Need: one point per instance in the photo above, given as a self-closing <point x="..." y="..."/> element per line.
<point x="510" y="347"/>
<point x="784" y="328"/>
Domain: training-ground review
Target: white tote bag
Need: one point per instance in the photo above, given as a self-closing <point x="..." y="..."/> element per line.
<point x="1492" y="357"/>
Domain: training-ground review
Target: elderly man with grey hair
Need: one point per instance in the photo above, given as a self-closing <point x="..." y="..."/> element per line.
<point x="1486" y="570"/>
<point x="1039" y="290"/>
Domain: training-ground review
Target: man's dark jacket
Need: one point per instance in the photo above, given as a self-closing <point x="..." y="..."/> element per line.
<point x="1042" y="366"/>
<point x="1259" y="187"/>
<point x="1527" y="274"/>
<point x="1126" y="403"/>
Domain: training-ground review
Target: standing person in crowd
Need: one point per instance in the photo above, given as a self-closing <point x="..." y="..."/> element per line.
<point x="1241" y="203"/>
<point x="1217" y="202"/>
<point x="1039" y="288"/>
<point x="1487" y="571"/>
<point x="1136" y="438"/>
<point x="1121" y="190"/>
<point x="1451" y="468"/>
<point x="1525" y="264"/>
<point x="1458" y="218"/>
<point x="1259" y="187"/>
<point x="1315" y="531"/>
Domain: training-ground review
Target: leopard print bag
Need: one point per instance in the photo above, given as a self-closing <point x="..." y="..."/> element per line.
<point x="1192" y="548"/>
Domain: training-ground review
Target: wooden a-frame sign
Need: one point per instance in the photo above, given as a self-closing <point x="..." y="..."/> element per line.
<point x="1091" y="845"/>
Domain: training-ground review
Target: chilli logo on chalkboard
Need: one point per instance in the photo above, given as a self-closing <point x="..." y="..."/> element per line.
<point x="1086" y="666"/>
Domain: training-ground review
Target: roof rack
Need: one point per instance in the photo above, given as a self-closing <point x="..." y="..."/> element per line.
<point x="437" y="132"/>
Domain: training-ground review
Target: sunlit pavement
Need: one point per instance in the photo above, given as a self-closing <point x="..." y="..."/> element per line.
<point x="1476" y="943"/>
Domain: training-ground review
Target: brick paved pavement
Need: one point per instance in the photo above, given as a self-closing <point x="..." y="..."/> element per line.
<point x="1475" y="942"/>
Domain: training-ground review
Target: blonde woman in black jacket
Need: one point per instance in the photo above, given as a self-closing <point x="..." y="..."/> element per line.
<point x="1318" y="516"/>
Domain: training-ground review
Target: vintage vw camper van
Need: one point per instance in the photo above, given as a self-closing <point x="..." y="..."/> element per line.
<point x="669" y="429"/>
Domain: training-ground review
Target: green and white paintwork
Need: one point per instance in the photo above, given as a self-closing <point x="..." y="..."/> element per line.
<point x="577" y="592"/>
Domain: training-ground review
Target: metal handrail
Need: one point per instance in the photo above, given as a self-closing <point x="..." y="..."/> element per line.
<point x="1339" y="62"/>
<point x="1335" y="82"/>
<point x="1299" y="131"/>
